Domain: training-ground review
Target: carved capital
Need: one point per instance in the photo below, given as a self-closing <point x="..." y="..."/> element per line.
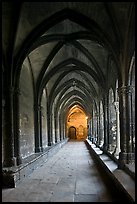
<point x="96" y="114"/>
<point x="123" y="90"/>
<point x="14" y="90"/>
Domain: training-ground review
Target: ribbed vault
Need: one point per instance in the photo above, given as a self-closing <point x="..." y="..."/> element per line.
<point x="68" y="55"/>
<point x="62" y="55"/>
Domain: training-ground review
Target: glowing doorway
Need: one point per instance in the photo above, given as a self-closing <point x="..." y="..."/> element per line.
<point x="77" y="123"/>
<point x="72" y="132"/>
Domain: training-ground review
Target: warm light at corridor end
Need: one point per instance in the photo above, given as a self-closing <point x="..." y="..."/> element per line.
<point x="77" y="123"/>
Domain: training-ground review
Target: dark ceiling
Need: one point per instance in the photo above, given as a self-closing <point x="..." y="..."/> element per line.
<point x="74" y="48"/>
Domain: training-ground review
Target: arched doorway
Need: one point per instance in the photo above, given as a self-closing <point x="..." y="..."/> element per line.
<point x="77" y="123"/>
<point x="72" y="132"/>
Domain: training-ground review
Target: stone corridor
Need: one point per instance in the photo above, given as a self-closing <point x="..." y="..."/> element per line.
<point x="70" y="175"/>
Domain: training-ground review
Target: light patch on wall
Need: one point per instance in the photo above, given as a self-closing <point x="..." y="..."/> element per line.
<point x="78" y="120"/>
<point x="44" y="93"/>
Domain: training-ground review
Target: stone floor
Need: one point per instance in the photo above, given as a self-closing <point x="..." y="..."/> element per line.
<point x="68" y="176"/>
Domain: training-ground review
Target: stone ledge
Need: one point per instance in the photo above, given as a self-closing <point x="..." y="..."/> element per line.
<point x="119" y="178"/>
<point x="12" y="176"/>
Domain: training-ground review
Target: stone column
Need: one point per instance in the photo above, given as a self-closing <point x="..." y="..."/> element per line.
<point x="17" y="153"/>
<point x="53" y="128"/>
<point x="95" y="128"/>
<point x="60" y="127"/>
<point x="89" y="130"/>
<point x="64" y="127"/>
<point x="109" y="137"/>
<point x="56" y="130"/>
<point x="37" y="128"/>
<point x="92" y="132"/>
<point x="105" y="109"/>
<point x="40" y="127"/>
<point x="56" y="139"/>
<point x="9" y="159"/>
<point x="100" y="127"/>
<point x="125" y="126"/>
<point x="117" y="150"/>
<point x="130" y="150"/>
<point x="49" y="126"/>
<point x="98" y="136"/>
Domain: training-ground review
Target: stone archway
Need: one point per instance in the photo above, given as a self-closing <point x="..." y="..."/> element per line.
<point x="72" y="132"/>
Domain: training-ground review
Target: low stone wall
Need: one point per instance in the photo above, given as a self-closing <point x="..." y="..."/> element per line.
<point x="12" y="176"/>
<point x="112" y="175"/>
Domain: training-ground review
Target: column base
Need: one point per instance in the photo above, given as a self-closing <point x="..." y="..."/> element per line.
<point x="126" y="158"/>
<point x="8" y="179"/>
<point x="18" y="160"/>
<point x="49" y="143"/>
<point x="9" y="162"/>
<point x="122" y="160"/>
<point x="41" y="149"/>
<point x="37" y="149"/>
<point x="110" y="148"/>
<point x="130" y="158"/>
<point x="105" y="147"/>
<point x="116" y="152"/>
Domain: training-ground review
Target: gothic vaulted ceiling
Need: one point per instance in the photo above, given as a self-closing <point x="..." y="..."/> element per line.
<point x="73" y="47"/>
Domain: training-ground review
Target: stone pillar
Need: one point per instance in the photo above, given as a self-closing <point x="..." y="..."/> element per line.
<point x="100" y="127"/>
<point x="56" y="139"/>
<point x="109" y="137"/>
<point x="89" y="130"/>
<point x="9" y="159"/>
<point x="117" y="150"/>
<point x="61" y="127"/>
<point x="64" y="127"/>
<point x="98" y="122"/>
<point x="17" y="153"/>
<point x="126" y="154"/>
<point x="40" y="127"/>
<point x="53" y="129"/>
<point x="93" y="137"/>
<point x="94" y="128"/>
<point x="49" y="126"/>
<point x="37" y="128"/>
<point x="130" y="150"/>
<point x="105" y="109"/>
<point x="56" y="130"/>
